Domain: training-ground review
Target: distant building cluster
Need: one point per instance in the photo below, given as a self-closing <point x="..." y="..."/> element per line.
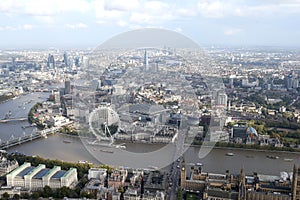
<point x="49" y="114"/>
<point x="22" y="73"/>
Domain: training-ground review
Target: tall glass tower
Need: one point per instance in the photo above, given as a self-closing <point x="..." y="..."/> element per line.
<point x="146" y="64"/>
<point x="66" y="61"/>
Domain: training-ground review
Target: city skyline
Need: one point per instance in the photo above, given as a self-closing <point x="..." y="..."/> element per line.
<point x="149" y="115"/>
<point x="88" y="23"/>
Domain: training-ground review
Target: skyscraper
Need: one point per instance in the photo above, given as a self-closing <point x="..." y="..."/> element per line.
<point x="146" y="64"/>
<point x="67" y="87"/>
<point x="77" y="61"/>
<point x="295" y="83"/>
<point x="222" y="99"/>
<point x="51" y="62"/>
<point x="231" y="82"/>
<point x="13" y="61"/>
<point x="66" y="60"/>
<point x="289" y="82"/>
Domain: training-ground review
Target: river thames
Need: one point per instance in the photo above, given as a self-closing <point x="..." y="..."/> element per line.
<point x="56" y="147"/>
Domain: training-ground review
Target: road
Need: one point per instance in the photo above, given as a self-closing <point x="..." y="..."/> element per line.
<point x="293" y="101"/>
<point x="176" y="166"/>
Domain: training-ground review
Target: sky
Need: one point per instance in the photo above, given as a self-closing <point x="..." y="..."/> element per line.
<point x="88" y="23"/>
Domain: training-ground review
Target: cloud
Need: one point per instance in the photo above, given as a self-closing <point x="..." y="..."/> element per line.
<point x="136" y="13"/>
<point x="155" y="6"/>
<point x="232" y="31"/>
<point x="43" y="7"/>
<point x="27" y="27"/>
<point x="122" y="5"/>
<point x="45" y="19"/>
<point x="178" y="29"/>
<point x="100" y="22"/>
<point x="122" y="23"/>
<point x="222" y="8"/>
<point x="186" y="12"/>
<point x="16" y="28"/>
<point x="211" y="9"/>
<point x="152" y="13"/>
<point x="77" y="26"/>
<point x="150" y="19"/>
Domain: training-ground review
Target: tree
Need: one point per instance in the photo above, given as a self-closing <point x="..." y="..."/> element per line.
<point x="25" y="196"/>
<point x="109" y="168"/>
<point x="122" y="190"/>
<point x="47" y="191"/>
<point x="5" y="195"/>
<point x="16" y="197"/>
<point x="84" y="194"/>
<point x="259" y="128"/>
<point x="179" y="194"/>
<point x="63" y="192"/>
<point x="35" y="195"/>
<point x="230" y="124"/>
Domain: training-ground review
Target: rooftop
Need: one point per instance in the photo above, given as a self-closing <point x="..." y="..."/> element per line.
<point x="59" y="174"/>
<point x="25" y="171"/>
<point x="41" y="173"/>
<point x="146" y="109"/>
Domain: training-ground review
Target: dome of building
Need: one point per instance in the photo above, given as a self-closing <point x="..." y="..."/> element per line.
<point x="251" y="132"/>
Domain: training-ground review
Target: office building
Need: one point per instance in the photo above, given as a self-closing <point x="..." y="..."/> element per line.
<point x="67" y="87"/>
<point x="146" y="62"/>
<point x="13" y="62"/>
<point x="295" y="83"/>
<point x="51" y="62"/>
<point x="66" y="60"/>
<point x="97" y="173"/>
<point x="32" y="178"/>
<point x="222" y="99"/>
<point x="289" y="82"/>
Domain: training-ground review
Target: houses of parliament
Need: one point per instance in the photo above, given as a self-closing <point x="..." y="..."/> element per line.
<point x="241" y="186"/>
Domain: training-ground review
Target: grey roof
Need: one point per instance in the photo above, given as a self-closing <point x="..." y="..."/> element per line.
<point x="146" y="109"/>
<point x="222" y="193"/>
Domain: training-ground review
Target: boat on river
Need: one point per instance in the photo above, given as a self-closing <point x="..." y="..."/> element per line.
<point x="272" y="157"/>
<point x="105" y="144"/>
<point x="84" y="162"/>
<point x="229" y="154"/>
<point x="106" y="151"/>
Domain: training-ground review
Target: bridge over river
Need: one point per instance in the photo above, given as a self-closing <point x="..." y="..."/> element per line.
<point x="26" y="138"/>
<point x="13" y="119"/>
